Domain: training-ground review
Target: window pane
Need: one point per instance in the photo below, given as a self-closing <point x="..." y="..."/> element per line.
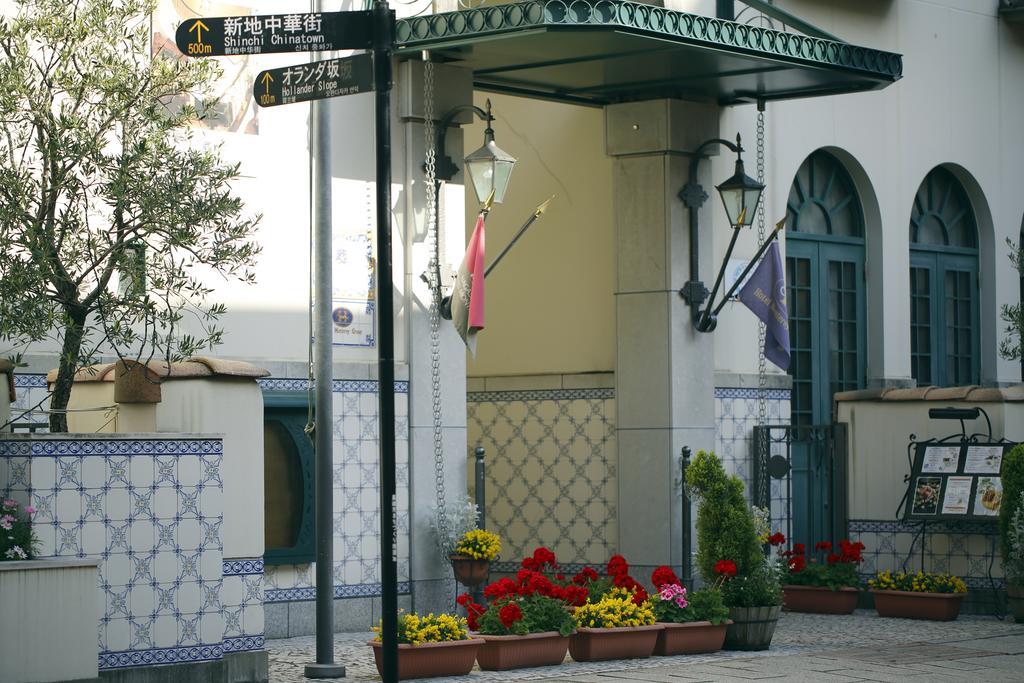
<point x="282" y="481"/>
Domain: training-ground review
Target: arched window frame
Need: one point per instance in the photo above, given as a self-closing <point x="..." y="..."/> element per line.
<point x="825" y="348"/>
<point x="944" y="285"/>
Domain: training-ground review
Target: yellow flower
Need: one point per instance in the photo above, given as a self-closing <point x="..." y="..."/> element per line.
<point x="478" y="544"/>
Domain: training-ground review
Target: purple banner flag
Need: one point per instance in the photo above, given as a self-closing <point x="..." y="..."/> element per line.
<point x="765" y="295"/>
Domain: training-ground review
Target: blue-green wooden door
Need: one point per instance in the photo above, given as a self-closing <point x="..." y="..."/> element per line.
<point x="825" y="281"/>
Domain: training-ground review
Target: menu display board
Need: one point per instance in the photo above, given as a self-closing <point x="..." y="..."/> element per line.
<point x="956" y="481"/>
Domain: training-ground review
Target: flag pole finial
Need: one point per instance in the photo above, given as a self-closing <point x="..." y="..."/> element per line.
<point x="488" y="202"/>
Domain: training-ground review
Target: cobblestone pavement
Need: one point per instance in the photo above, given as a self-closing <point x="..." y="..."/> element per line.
<point x="806" y="647"/>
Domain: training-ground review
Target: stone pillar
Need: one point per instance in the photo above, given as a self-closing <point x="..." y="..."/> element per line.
<point x="433" y="586"/>
<point x="664" y="371"/>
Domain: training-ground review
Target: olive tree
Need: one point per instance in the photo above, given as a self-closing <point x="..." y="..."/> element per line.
<point x="1013" y="314"/>
<point x="113" y="219"/>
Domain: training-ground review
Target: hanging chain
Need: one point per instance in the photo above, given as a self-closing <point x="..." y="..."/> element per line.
<point x="762" y="367"/>
<point x="434" y="280"/>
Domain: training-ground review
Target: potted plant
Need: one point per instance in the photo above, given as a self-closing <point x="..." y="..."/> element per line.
<point x="729" y="554"/>
<point x="520" y="631"/>
<point x="692" y="623"/>
<point x="471" y="558"/>
<point x="1011" y="529"/>
<point x="615" y="627"/>
<point x="923" y="595"/>
<point x="829" y="587"/>
<point x="431" y="646"/>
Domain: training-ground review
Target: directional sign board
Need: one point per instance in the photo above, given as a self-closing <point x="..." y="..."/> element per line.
<point x="314" y="81"/>
<point x="266" y="33"/>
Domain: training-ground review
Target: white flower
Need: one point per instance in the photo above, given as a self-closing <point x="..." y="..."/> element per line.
<point x="16" y="553"/>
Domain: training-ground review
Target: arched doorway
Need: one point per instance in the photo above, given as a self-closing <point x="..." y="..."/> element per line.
<point x="825" y="278"/>
<point x="944" y="343"/>
<point x="827" y="329"/>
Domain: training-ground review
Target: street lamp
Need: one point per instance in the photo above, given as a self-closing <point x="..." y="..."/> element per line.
<point x="489" y="168"/>
<point x="740" y="196"/>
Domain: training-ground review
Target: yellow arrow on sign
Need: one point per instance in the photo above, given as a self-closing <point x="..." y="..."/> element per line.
<point x="199" y="27"/>
<point x="267" y="78"/>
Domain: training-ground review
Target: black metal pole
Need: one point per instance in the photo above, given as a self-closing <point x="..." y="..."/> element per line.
<point x="383" y="42"/>
<point x="753" y="262"/>
<point x="481" y="498"/>
<point x="687" y="545"/>
<point x="705" y="321"/>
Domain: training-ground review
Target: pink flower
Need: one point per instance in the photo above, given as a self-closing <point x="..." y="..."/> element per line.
<point x="30" y="510"/>
<point x="16" y="553"/>
<point x="6" y="522"/>
<point x="10" y="503"/>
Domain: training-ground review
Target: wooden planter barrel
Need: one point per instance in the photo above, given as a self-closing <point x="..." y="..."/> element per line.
<point x="819" y="599"/>
<point x="752" y="627"/>
<point x="910" y="605"/>
<point x="625" y="642"/>
<point x="690" y="638"/>
<point x="500" y="653"/>
<point x="452" y="658"/>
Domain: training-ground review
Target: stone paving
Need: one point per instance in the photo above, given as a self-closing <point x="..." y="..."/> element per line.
<point x="806" y="647"/>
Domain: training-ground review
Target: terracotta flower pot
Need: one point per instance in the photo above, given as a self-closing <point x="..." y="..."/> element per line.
<point x="1015" y="596"/>
<point x="910" y="605"/>
<point x="452" y="658"/>
<point x="625" y="642"/>
<point x="689" y="638"/>
<point x="819" y="599"/>
<point x="500" y="653"/>
<point x="470" y="572"/>
<point x="752" y="627"/>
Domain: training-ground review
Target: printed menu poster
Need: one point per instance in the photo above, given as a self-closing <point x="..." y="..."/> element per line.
<point x="926" y="495"/>
<point x="957" y="495"/>
<point x="941" y="459"/>
<point x="983" y="459"/>
<point x="988" y="497"/>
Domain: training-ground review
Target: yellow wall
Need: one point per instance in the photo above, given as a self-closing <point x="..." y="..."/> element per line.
<point x="549" y="304"/>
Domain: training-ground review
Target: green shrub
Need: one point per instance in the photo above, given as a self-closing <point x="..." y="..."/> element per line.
<point x="1013" y="488"/>
<point x="725" y="524"/>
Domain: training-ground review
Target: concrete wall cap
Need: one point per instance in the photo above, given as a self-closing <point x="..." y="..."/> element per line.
<point x="915" y="394"/>
<point x="951" y="393"/>
<point x="54" y="563"/>
<point x="862" y="395"/>
<point x="192" y="368"/>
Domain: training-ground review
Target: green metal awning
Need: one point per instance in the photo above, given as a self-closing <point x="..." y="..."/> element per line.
<point x="602" y="51"/>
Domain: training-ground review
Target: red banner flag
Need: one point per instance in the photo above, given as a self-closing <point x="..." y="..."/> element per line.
<point x="468" y="297"/>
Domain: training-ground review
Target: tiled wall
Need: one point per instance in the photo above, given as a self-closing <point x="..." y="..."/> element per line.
<point x="356" y="495"/>
<point x="551" y="469"/>
<point x="736" y="414"/>
<point x="150" y="509"/>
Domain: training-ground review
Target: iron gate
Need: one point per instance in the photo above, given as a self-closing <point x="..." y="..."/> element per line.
<point x="806" y="472"/>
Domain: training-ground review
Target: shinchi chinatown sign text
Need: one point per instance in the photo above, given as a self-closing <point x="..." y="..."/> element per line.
<point x="268" y="33"/>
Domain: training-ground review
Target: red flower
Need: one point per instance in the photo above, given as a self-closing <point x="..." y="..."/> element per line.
<point x="500" y="589"/>
<point x="851" y="552"/>
<point x="725" y="568"/>
<point x="617" y="566"/>
<point x="510" y="614"/>
<point x="639" y="595"/>
<point x="585" y="576"/>
<point x="832" y="558"/>
<point x="573" y="595"/>
<point x="663" y="576"/>
<point x="544" y="556"/>
<point x="531" y="564"/>
<point x="777" y="538"/>
<point x="473" y="610"/>
<point x="799" y="549"/>
<point x="797" y="563"/>
<point x="823" y="545"/>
